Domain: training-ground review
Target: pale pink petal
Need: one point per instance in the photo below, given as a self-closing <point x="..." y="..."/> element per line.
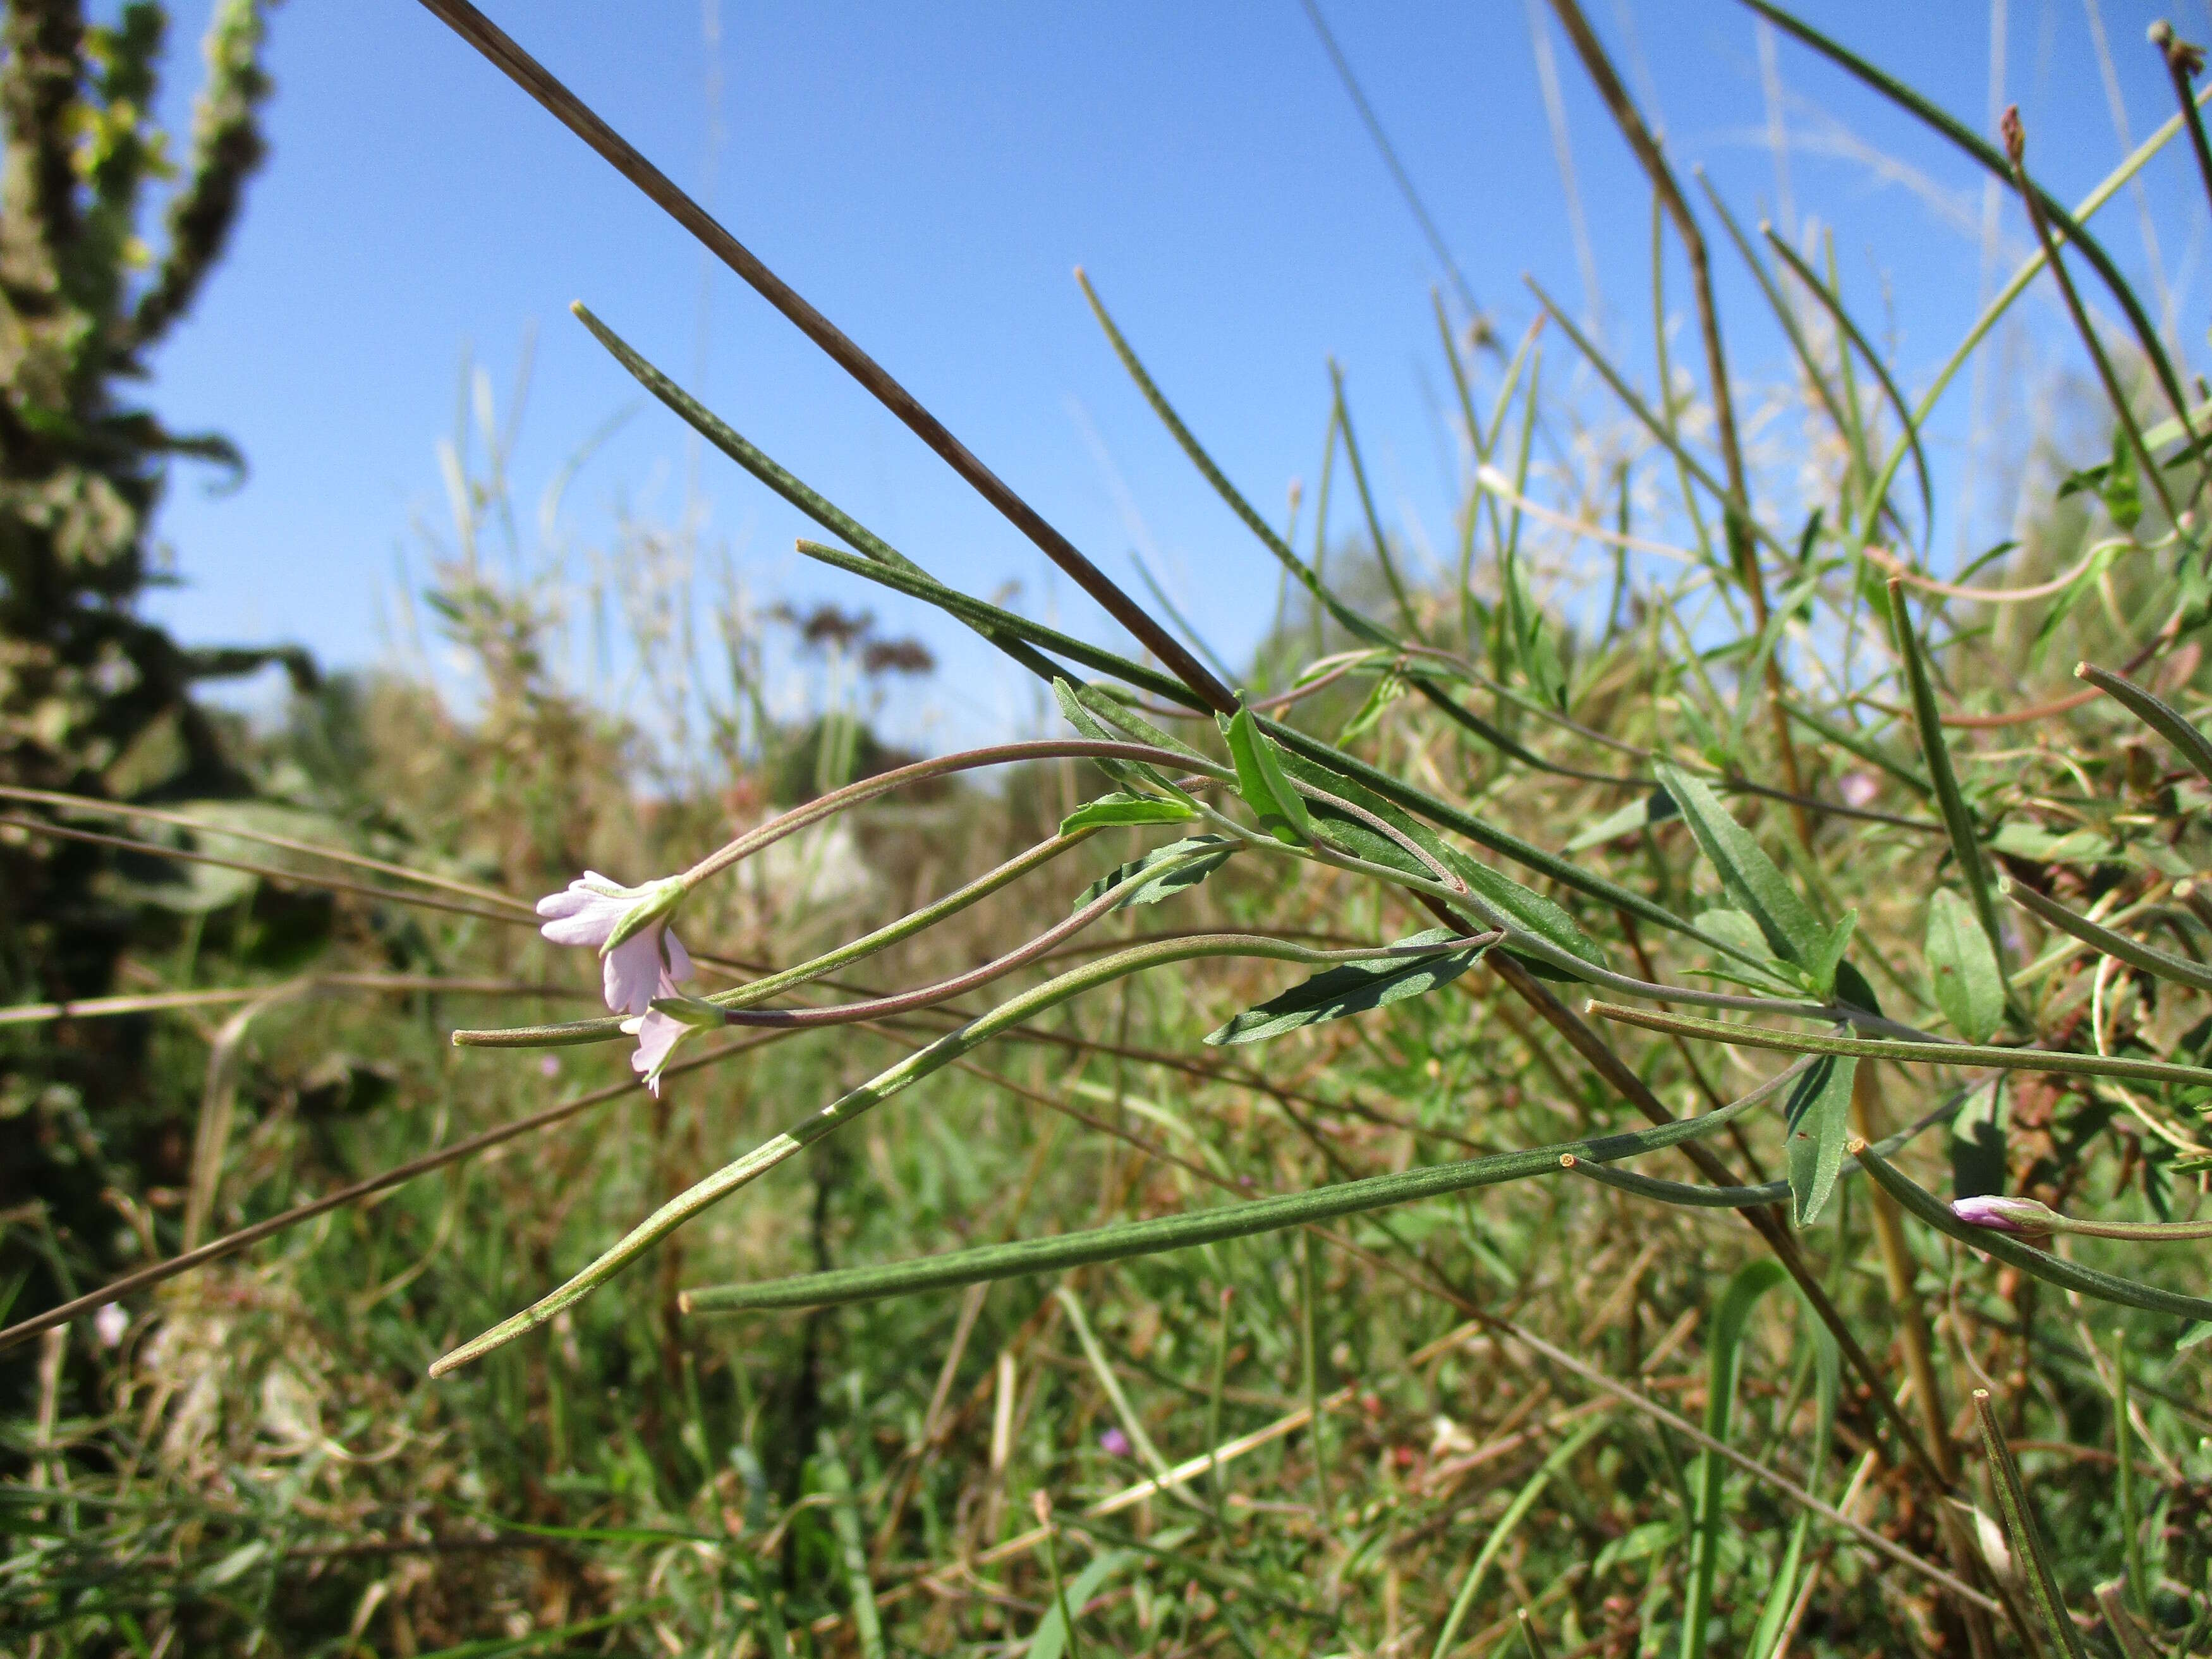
<point x="592" y="926"/>
<point x="657" y="1036"/>
<point x="631" y="970"/>
<point x="566" y="903"/>
<point x="1985" y="1211"/>
<point x="676" y="960"/>
<point x="583" y="912"/>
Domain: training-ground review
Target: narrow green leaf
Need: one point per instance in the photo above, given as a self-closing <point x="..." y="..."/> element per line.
<point x="1520" y="907"/>
<point x="1115" y="707"/>
<point x="1724" y="1349"/>
<point x="2120" y="487"/>
<point x="1746" y="874"/>
<point x="1509" y="1524"/>
<point x="852" y="1546"/>
<point x="1087" y="724"/>
<point x="1819" y="1118"/>
<point x="1052" y="1637"/>
<point x="1121" y="807"/>
<point x="1963" y="968"/>
<point x="2153" y="711"/>
<point x="2052" y="1269"/>
<point x="1353" y="988"/>
<point x="1016" y="635"/>
<point x="1966" y="843"/>
<point x="2031" y="1558"/>
<point x="1737" y="928"/>
<point x="1151" y="891"/>
<point x="1261" y="780"/>
<point x="1533" y="647"/>
<point x="1830" y="957"/>
<point x="1124" y="1240"/>
<point x="1333" y="768"/>
<point x="1654" y="808"/>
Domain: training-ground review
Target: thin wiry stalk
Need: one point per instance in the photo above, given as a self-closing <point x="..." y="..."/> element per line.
<point x="532" y="77"/>
<point x="231" y="1243"/>
<point x="1742" y="548"/>
<point x="804" y="1132"/>
<point x="2015" y="147"/>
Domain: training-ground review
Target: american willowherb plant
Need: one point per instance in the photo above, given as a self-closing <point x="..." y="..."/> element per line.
<point x="1801" y="702"/>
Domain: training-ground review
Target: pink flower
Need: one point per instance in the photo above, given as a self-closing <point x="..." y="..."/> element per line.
<point x="109" y="1323"/>
<point x="2005" y="1215"/>
<point x="1858" y="789"/>
<point x="1114" y="1444"/>
<point x="592" y="910"/>
<point x="657" y="1036"/>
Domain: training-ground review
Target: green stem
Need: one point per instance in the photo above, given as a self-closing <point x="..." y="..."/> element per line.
<point x="1927" y="1054"/>
<point x="1151" y="1237"/>
<point x="911" y="1070"/>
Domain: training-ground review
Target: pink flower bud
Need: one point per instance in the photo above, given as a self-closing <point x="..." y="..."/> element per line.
<point x="2006" y="1215"/>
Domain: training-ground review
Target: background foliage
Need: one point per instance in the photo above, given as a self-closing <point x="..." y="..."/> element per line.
<point x="1693" y="725"/>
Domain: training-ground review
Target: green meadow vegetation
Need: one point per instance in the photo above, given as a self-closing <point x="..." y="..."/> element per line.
<point x="1635" y="1084"/>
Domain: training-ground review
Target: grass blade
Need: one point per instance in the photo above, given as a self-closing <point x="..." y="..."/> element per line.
<point x="2029" y="1554"/>
<point x="1834" y="305"/>
<point x="1509" y="1524"/>
<point x="1724" y="1348"/>
<point x="1935" y="117"/>
<point x="1958" y="820"/>
<point x="852" y="1547"/>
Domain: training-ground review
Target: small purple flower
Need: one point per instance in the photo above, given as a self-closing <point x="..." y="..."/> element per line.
<point x="109" y="1322"/>
<point x="657" y="1036"/>
<point x="1858" y="789"/>
<point x="549" y="1065"/>
<point x="1115" y="1443"/>
<point x="2005" y="1215"/>
<point x="591" y="910"/>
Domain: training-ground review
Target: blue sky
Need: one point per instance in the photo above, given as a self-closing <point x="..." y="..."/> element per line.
<point x="929" y="177"/>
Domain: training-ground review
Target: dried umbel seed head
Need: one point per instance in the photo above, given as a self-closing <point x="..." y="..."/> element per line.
<point x="2181" y="56"/>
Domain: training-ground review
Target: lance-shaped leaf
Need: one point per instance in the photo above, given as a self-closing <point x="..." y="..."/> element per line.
<point x="1353" y="988"/>
<point x="1820" y="1117"/>
<point x="1121" y="807"/>
<point x="1143" y="889"/>
<point x="1963" y="967"/>
<point x="1082" y="714"/>
<point x="2156" y="711"/>
<point x="1654" y="808"/>
<point x="1519" y="907"/>
<point x="2030" y="1554"/>
<point x="1123" y="1241"/>
<point x="1958" y="819"/>
<point x="1750" y="877"/>
<point x="1261" y="780"/>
